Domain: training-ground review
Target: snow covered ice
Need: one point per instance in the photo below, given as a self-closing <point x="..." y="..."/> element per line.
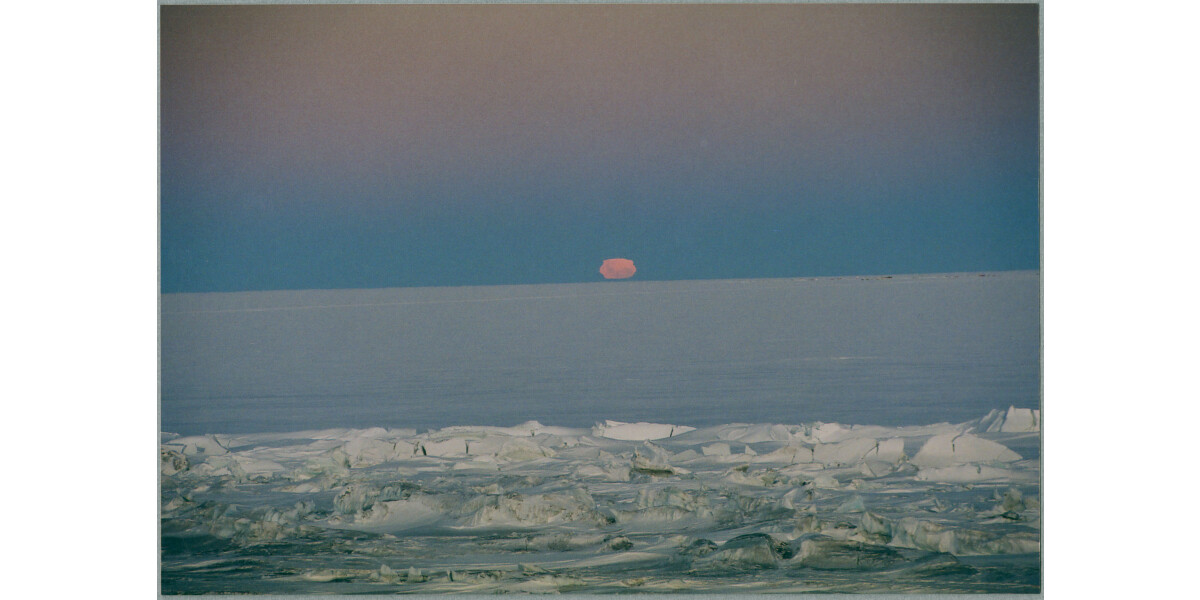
<point x="866" y="434"/>
<point x="618" y="507"/>
<point x="901" y="350"/>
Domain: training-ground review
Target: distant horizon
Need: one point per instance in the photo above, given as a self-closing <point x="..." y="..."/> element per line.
<point x="622" y="282"/>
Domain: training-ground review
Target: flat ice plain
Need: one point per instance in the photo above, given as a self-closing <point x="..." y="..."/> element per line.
<point x="873" y="435"/>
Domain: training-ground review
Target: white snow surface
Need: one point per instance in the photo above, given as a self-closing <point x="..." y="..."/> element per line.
<point x="1013" y="420"/>
<point x="957" y="449"/>
<point x="616" y="430"/>
<point x="619" y="506"/>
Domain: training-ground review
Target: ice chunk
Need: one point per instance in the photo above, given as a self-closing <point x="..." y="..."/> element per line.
<point x="354" y="498"/>
<point x="935" y="537"/>
<point x="443" y="448"/>
<point x="826" y="482"/>
<point x="877" y="468"/>
<point x="824" y="552"/>
<point x="331" y="465"/>
<point x="857" y="450"/>
<point x="1013" y="421"/>
<point x="891" y="450"/>
<point x="949" y="449"/>
<point x="367" y="451"/>
<point x="385" y="575"/>
<point x="605" y="471"/>
<point x="699" y="547"/>
<point x="532" y="510"/>
<point x="853" y="451"/>
<point x="477" y="463"/>
<point x="969" y="473"/>
<point x="791" y="454"/>
<point x="649" y="466"/>
<point x="649" y="459"/>
<point x="1021" y="419"/>
<point x="854" y="504"/>
<point x="750" y="551"/>
<point x="172" y="462"/>
<point x="828" y="433"/>
<point x="690" y="501"/>
<point x="522" y="449"/>
<point x="487" y="444"/>
<point x="547" y="584"/>
<point x="240" y="468"/>
<point x="1012" y="501"/>
<point x="322" y="575"/>
<point x="720" y="449"/>
<point x="398" y="515"/>
<point x="750" y="434"/>
<point x="875" y="525"/>
<point x="199" y="445"/>
<point x="258" y="467"/>
<point x="616" y="430"/>
<point x="990" y="422"/>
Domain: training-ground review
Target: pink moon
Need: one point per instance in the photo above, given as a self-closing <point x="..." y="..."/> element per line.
<point x="617" y="268"/>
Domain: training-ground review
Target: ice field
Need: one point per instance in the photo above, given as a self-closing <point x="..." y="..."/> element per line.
<point x="902" y="350"/>
<point x="857" y="434"/>
<point x="619" y="507"/>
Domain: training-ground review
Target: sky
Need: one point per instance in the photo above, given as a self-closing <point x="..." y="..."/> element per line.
<point x="333" y="147"/>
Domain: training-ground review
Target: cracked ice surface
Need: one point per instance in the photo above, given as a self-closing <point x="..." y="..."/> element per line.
<point x="618" y="507"/>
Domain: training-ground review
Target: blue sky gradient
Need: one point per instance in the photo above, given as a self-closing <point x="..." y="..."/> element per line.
<point x="327" y="147"/>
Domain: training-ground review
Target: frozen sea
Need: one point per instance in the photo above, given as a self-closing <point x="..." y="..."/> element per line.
<point x="904" y="350"/>
<point x="866" y="434"/>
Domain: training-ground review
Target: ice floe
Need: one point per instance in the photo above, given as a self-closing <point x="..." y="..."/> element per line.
<point x="616" y="430"/>
<point x="958" y="449"/>
<point x="1011" y="421"/>
<point x="618" y="507"/>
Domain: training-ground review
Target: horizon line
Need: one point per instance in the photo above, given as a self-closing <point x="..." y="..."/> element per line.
<point x="543" y="297"/>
